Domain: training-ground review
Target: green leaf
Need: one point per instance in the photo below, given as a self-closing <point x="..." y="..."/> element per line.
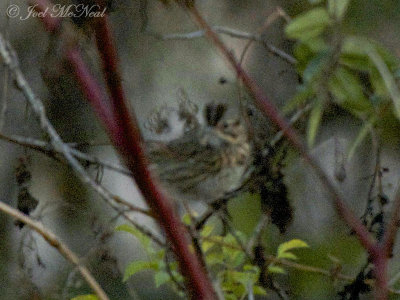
<point x="388" y="79"/>
<point x="244" y="278"/>
<point x="238" y="259"/>
<point x="362" y="134"/>
<point x="229" y="239"/>
<point x="292" y="244"/>
<point x="233" y="283"/>
<point x="378" y="84"/>
<point x="348" y="92"/>
<point x="251" y="268"/>
<point x="214" y="258"/>
<point x="160" y="254"/>
<point x="230" y="296"/>
<point x="143" y="239"/>
<point x="308" y="25"/>
<point x="137" y="266"/>
<point x="315" y="67"/>
<point x="303" y="54"/>
<point x="288" y="255"/>
<point x="230" y="254"/>
<point x="207" y="245"/>
<point x="353" y="53"/>
<point x="207" y="230"/>
<point x="317" y="44"/>
<point x="86" y="297"/>
<point x="314" y="122"/>
<point x="303" y="94"/>
<point x="275" y="269"/>
<point x="186" y="219"/>
<point x="161" y="278"/>
<point x="338" y="8"/>
<point x="258" y="290"/>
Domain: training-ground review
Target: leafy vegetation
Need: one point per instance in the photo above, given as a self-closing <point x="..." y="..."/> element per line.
<point x="224" y="257"/>
<point x="353" y="72"/>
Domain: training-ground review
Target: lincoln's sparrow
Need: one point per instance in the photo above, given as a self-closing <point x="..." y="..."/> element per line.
<point x="206" y="161"/>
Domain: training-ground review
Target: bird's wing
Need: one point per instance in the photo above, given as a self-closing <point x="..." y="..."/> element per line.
<point x="183" y="162"/>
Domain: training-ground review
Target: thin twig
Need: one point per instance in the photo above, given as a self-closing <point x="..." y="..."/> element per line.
<point x="46" y="147"/>
<point x="43" y="146"/>
<point x="6" y="79"/>
<point x="232" y="33"/>
<point x="10" y="59"/>
<point x="55" y="242"/>
<point x="292" y="120"/>
<point x="101" y="235"/>
<point x="278" y="13"/>
<point x="271" y="111"/>
<point x="4" y="103"/>
<point x="175" y="280"/>
<point x="377" y="170"/>
<point x="257" y="232"/>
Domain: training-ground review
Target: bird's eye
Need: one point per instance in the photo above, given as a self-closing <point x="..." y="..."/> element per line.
<point x="225" y="125"/>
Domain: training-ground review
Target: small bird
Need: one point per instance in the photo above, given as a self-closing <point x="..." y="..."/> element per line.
<point x="205" y="162"/>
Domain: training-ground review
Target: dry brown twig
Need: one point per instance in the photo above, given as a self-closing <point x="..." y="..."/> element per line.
<point x="55" y="242"/>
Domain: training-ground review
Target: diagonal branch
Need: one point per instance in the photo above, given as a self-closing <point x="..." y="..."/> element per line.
<point x="271" y="111"/>
<point x="124" y="133"/>
<point x="127" y="140"/>
<point x="10" y="59"/>
<point x="55" y="242"/>
<point x="45" y="147"/>
<point x="232" y="33"/>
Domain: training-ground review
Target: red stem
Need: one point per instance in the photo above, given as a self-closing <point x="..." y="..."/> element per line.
<point x="92" y="90"/>
<point x="52" y="24"/>
<point x="127" y="141"/>
<point x="123" y="130"/>
<point x="271" y="111"/>
<point x="124" y="133"/>
<point x="377" y="253"/>
<point x="380" y="261"/>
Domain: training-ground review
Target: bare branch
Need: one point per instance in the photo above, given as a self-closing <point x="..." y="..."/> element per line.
<point x="46" y="147"/>
<point x="6" y="79"/>
<point x="257" y="232"/>
<point x="232" y="33"/>
<point x="55" y="242"/>
<point x="10" y="59"/>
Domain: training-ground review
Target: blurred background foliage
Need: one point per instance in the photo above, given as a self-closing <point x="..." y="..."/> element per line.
<point x="341" y="57"/>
